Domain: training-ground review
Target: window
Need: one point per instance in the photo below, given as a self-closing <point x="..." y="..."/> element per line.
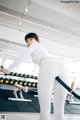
<point x="74" y="72"/>
<point x="8" y="62"/>
<point x="29" y="68"/>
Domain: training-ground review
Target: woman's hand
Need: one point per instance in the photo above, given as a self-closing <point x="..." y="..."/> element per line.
<point x="4" y="70"/>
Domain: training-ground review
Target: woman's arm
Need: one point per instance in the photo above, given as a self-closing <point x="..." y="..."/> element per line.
<point x="4" y="70"/>
<point x="21" y="58"/>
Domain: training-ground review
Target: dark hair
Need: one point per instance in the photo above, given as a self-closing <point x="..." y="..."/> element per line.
<point x="32" y="35"/>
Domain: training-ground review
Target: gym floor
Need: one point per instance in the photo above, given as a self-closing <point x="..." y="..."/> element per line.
<point x="30" y="107"/>
<point x="30" y="116"/>
<point x="18" y="111"/>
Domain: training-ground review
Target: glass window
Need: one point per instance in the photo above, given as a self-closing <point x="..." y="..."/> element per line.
<point x="8" y="62"/>
<point x="74" y="72"/>
<point x="29" y="68"/>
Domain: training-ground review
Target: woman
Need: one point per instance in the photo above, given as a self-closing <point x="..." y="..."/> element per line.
<point x="49" y="69"/>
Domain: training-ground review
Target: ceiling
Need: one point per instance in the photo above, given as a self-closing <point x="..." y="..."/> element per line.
<point x="56" y="20"/>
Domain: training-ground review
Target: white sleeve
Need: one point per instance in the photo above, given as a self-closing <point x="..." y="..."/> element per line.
<point x="23" y="56"/>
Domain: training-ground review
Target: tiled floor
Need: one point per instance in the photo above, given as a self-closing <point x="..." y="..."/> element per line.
<point x="31" y="116"/>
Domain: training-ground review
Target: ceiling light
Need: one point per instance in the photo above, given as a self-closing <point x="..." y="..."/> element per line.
<point x="26" y="9"/>
<point x="20" y="22"/>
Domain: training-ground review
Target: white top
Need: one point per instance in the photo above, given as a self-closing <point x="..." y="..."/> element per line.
<point x="37" y="52"/>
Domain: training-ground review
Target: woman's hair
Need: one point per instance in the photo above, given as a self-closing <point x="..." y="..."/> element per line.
<point x="32" y="35"/>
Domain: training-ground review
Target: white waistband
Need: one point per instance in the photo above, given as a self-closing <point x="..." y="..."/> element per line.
<point x="44" y="58"/>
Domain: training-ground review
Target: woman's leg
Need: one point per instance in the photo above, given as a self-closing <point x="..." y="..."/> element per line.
<point x="45" y="92"/>
<point x="60" y="95"/>
<point x="48" y="71"/>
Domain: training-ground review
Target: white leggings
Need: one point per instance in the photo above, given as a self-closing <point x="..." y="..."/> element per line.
<point x="49" y="69"/>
